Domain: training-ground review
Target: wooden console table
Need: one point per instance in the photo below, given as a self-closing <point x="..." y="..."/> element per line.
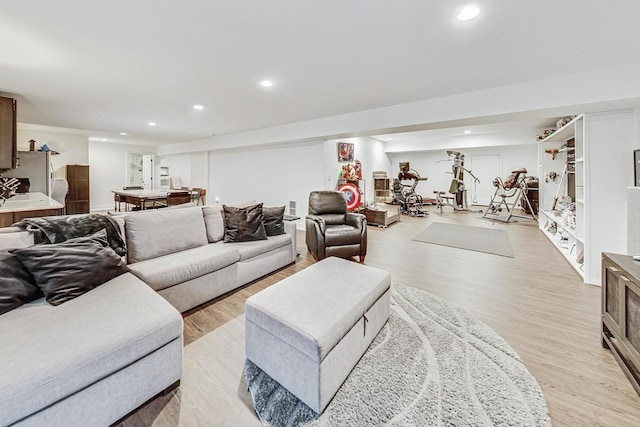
<point x="621" y="312"/>
<point x="382" y="215"/>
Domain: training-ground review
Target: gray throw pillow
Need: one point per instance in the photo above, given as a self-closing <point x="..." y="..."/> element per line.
<point x="273" y="219"/>
<point x="243" y="224"/>
<point x="17" y="286"/>
<point x="64" y="271"/>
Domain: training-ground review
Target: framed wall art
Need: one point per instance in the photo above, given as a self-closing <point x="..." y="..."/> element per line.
<point x="345" y="152"/>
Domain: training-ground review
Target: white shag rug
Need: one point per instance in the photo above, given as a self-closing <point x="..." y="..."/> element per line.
<point x="431" y="365"/>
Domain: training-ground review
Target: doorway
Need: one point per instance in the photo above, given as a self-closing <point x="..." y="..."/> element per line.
<point x="147" y="171"/>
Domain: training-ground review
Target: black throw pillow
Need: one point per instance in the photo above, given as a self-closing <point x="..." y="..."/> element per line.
<point x="17" y="286"/>
<point x="243" y="224"/>
<point x="273" y="219"/>
<point x="64" y="271"/>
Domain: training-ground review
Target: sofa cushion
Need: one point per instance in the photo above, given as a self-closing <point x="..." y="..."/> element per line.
<point x="273" y="220"/>
<point x="168" y="270"/>
<point x="339" y="235"/>
<point x="50" y="352"/>
<point x="243" y="224"/>
<point x="251" y="249"/>
<point x="214" y="222"/>
<point x="160" y="232"/>
<point x="64" y="271"/>
<point x="17" y="286"/>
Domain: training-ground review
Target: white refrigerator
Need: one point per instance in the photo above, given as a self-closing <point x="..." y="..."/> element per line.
<point x="36" y="166"/>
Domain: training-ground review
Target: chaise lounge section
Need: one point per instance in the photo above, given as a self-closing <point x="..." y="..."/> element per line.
<point x="95" y="358"/>
<point x="91" y="360"/>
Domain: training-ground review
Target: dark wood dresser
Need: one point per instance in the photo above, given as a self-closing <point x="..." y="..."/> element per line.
<point x="79" y="189"/>
<point x="621" y="312"/>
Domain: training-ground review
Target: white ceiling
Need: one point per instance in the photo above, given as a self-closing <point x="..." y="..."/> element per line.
<point x="467" y="136"/>
<point x="113" y="66"/>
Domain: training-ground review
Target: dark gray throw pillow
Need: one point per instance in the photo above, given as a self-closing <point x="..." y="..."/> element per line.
<point x="17" y="286"/>
<point x="64" y="271"/>
<point x="273" y="219"/>
<point x="243" y="224"/>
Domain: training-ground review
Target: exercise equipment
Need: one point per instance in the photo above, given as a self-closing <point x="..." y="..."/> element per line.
<point x="411" y="203"/>
<point x="8" y="186"/>
<point x="458" y="199"/>
<point x="508" y="193"/>
<point x="555" y="199"/>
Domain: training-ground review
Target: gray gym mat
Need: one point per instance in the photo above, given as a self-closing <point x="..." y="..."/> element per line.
<point x="479" y="239"/>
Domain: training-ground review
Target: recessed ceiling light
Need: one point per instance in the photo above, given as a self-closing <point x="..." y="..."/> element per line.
<point x="104" y="139"/>
<point x="469" y="12"/>
<point x="467" y="131"/>
<point x="123" y="133"/>
<point x="104" y="117"/>
<point x="389" y="139"/>
<point x="266" y="83"/>
<point x="198" y="107"/>
<point x="152" y="123"/>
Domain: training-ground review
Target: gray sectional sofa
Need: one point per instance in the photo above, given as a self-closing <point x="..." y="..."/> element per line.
<point x="94" y="359"/>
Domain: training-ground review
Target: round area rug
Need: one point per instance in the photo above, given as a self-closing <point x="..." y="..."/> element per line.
<point x="431" y="364"/>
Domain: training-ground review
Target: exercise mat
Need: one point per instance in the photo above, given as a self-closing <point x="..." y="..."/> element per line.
<point x="479" y="239"/>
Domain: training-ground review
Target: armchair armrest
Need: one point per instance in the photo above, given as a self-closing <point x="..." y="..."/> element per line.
<point x="318" y="220"/>
<point x="356" y="220"/>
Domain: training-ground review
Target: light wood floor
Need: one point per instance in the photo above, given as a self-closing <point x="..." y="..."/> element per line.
<point x="535" y="301"/>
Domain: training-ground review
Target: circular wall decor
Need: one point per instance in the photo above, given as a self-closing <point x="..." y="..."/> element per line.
<point x="353" y="195"/>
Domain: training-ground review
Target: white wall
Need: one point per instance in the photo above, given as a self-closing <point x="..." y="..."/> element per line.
<point x="179" y="166"/>
<point x="73" y="149"/>
<point x="610" y="138"/>
<point x="108" y="170"/>
<point x="273" y="175"/>
<point x="434" y="165"/>
<point x="193" y="168"/>
<point x="370" y="152"/>
<point x="199" y="170"/>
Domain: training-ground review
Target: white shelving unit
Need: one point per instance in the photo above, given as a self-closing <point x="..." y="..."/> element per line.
<point x="568" y="238"/>
<point x="164" y="177"/>
<point x="574" y="243"/>
<point x="603" y="152"/>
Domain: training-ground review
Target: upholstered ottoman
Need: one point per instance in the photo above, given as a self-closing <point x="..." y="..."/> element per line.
<point x="308" y="331"/>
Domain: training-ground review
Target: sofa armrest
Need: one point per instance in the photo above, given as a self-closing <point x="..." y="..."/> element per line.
<point x="358" y="221"/>
<point x="15" y="237"/>
<point x="319" y="221"/>
<point x="291" y="228"/>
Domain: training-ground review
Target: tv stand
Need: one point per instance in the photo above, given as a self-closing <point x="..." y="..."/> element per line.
<point x="621" y="312"/>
